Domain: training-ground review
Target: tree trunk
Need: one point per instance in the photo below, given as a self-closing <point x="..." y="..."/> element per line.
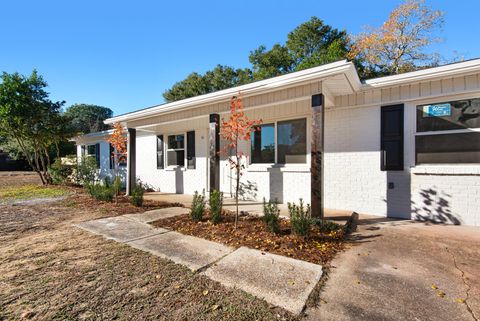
<point x="237" y="189"/>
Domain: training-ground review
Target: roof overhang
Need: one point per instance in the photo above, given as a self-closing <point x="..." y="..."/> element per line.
<point x="339" y="78"/>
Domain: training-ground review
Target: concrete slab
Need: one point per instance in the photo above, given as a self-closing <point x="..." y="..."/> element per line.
<point x="120" y="229"/>
<point x="279" y="280"/>
<point x="191" y="251"/>
<point x="155" y="215"/>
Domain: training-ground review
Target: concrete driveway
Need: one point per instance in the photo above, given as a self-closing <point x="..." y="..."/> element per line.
<point x="401" y="270"/>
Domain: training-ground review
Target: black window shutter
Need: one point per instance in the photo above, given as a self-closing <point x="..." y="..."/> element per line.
<point x="111" y="155"/>
<point x="160" y="158"/>
<point x="97" y="154"/>
<point x="392" y="138"/>
<point x="191" y="149"/>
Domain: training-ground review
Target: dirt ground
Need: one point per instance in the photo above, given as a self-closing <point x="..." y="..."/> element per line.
<point x="51" y="270"/>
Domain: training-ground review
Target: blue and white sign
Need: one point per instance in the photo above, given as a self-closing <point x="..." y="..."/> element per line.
<point x="439" y="110"/>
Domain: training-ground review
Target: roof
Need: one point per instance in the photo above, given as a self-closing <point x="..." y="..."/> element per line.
<point x="344" y="67"/>
<point x="92" y="136"/>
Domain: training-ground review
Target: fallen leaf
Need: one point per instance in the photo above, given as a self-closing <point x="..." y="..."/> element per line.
<point x="205" y="292"/>
<point x="358" y="281"/>
<point x="214" y="307"/>
<point x="460" y="300"/>
<point x="290" y="282"/>
<point x="177" y="286"/>
<point x="441" y="294"/>
<point x="434" y="286"/>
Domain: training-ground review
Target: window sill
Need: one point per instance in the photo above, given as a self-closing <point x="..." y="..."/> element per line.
<point x="175" y="168"/>
<point x="301" y="168"/>
<point x="446" y="169"/>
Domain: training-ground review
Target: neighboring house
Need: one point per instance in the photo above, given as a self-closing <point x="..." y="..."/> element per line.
<point x="96" y="145"/>
<point x="405" y="146"/>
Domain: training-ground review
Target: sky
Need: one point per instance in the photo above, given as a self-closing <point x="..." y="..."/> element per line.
<point x="125" y="54"/>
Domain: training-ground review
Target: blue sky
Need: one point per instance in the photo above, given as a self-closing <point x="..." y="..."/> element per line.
<point x="125" y="54"/>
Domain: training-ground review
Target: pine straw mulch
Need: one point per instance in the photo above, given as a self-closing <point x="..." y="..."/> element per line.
<point x="318" y="247"/>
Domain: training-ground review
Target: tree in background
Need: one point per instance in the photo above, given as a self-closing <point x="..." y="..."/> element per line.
<point x="86" y="118"/>
<point x="221" y="77"/>
<point x="118" y="140"/>
<point x="30" y="120"/>
<point x="235" y="129"/>
<point x="271" y="63"/>
<point x="398" y="45"/>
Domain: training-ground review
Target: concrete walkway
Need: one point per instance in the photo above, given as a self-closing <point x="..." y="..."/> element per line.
<point x="279" y="280"/>
<point x="404" y="270"/>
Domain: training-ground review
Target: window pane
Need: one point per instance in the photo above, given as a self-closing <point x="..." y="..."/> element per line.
<point x="263" y="144"/>
<point x="292" y="141"/>
<point x="447" y="116"/>
<point x="176" y="141"/>
<point x="176" y="157"/>
<point x="91" y="149"/>
<point x="160" y="151"/>
<point x="191" y="149"/>
<point x="448" y="148"/>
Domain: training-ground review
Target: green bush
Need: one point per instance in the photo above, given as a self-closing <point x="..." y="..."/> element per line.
<point x="86" y="173"/>
<point x="117" y="185"/>
<point x="300" y="218"/>
<point x="60" y="172"/>
<point x="216" y="203"/>
<point x="100" y="192"/>
<point x="271" y="216"/>
<point x="136" y="196"/>
<point x="198" y="206"/>
<point x="325" y="226"/>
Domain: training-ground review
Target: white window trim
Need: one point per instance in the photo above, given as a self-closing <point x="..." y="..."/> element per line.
<point x="299" y="166"/>
<point x="165" y="143"/>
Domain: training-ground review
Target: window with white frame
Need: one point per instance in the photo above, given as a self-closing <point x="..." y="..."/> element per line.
<point x="284" y="142"/>
<point x="176" y="150"/>
<point x="448" y="132"/>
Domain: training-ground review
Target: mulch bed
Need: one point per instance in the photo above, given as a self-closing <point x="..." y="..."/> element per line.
<point x="317" y="248"/>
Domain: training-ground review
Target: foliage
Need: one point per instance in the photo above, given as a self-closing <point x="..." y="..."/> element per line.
<point x="198" y="206"/>
<point x="117" y="185"/>
<point x="136" y="195"/>
<point x="399" y="44"/>
<point x="118" y="140"/>
<point x="300" y="218"/>
<point x="325" y="226"/>
<point x="30" y="119"/>
<point x="216" y="204"/>
<point x="270" y="63"/>
<point x="271" y="216"/>
<point x="238" y="127"/>
<point x="61" y="172"/>
<point x="86" y="172"/>
<point x="221" y="77"/>
<point x="101" y="192"/>
<point x="85" y="118"/>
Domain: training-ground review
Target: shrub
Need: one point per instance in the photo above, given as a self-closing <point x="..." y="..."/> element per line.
<point x="271" y="216"/>
<point x="60" y="172"/>
<point x="86" y="173"/>
<point x="300" y="218"/>
<point x="216" y="203"/>
<point x="136" y="197"/>
<point x="117" y="185"/>
<point x="325" y="226"/>
<point x="100" y="192"/>
<point x="198" y="206"/>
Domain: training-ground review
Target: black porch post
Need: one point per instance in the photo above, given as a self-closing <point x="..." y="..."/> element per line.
<point x="214" y="151"/>
<point x="131" y="159"/>
<point x="317" y="132"/>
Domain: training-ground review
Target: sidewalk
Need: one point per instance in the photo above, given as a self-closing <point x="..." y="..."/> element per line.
<point x="279" y="280"/>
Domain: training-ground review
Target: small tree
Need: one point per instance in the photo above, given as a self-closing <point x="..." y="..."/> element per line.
<point x="118" y="140"/>
<point x="235" y="129"/>
<point x="398" y="45"/>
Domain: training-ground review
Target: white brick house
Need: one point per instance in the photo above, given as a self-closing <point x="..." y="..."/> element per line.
<point x="405" y="146"/>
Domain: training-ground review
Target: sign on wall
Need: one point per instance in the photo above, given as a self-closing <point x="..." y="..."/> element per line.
<point x="439" y="110"/>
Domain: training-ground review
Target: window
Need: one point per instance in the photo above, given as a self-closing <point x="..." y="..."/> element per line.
<point x="263" y="144"/>
<point x="176" y="150"/>
<point x="191" y="150"/>
<point x="391" y="138"/>
<point x="94" y="151"/>
<point x="292" y="141"/>
<point x="160" y="159"/>
<point x="447" y="133"/>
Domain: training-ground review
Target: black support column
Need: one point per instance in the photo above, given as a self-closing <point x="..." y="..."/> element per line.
<point x="131" y="159"/>
<point x="317" y="141"/>
<point x="214" y="151"/>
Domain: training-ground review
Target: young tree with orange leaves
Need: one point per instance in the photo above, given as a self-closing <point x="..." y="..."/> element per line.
<point x="235" y="129"/>
<point x="118" y="140"/>
<point x="399" y="44"/>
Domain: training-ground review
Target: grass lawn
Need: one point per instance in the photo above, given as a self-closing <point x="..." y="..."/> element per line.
<point x="51" y="270"/>
<point x="30" y="191"/>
